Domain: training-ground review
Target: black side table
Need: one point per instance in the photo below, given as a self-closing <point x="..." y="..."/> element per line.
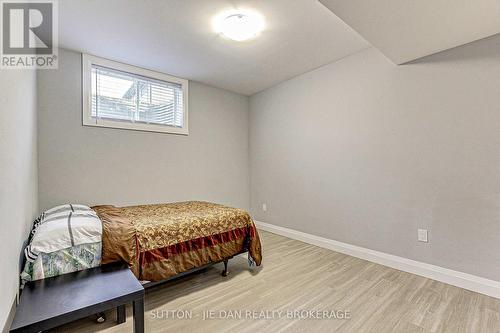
<point x="51" y="302"/>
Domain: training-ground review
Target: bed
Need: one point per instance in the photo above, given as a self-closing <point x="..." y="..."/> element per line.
<point x="157" y="241"/>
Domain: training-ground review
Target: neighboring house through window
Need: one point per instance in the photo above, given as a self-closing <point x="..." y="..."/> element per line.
<point x="117" y="95"/>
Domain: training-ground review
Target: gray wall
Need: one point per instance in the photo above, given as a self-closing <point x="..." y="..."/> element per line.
<point x="18" y="176"/>
<point x="365" y="152"/>
<point x="92" y="165"/>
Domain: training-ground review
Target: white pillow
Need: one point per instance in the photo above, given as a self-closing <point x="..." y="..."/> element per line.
<point x="62" y="227"/>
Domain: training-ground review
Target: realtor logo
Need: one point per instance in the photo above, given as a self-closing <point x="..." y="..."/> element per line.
<point x="29" y="34"/>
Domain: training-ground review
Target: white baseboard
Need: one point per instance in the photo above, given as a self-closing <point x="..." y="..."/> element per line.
<point x="455" y="278"/>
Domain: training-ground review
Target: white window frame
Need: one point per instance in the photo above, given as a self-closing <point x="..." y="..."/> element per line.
<point x="89" y="60"/>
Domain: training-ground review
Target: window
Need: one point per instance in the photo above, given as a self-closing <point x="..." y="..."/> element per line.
<point x="123" y="96"/>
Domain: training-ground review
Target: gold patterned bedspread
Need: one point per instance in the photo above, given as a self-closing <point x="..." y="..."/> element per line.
<point x="162" y="240"/>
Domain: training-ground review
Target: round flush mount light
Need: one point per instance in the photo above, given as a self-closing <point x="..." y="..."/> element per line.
<point x="239" y="26"/>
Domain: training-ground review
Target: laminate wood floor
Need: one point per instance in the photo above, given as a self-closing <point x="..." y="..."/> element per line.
<point x="299" y="276"/>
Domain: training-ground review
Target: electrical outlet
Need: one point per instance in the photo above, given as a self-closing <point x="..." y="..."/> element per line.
<point x="264" y="207"/>
<point x="422" y="235"/>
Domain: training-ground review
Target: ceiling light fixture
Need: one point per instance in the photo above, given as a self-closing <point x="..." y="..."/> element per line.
<point x="239" y="26"/>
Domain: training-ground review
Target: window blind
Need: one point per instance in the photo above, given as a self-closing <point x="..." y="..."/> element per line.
<point x="122" y="96"/>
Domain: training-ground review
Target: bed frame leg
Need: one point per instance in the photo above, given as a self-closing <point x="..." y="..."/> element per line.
<point x="225" y="272"/>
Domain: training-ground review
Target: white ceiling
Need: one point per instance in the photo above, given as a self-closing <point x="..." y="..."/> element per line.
<point x="176" y="37"/>
<point x="406" y="30"/>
